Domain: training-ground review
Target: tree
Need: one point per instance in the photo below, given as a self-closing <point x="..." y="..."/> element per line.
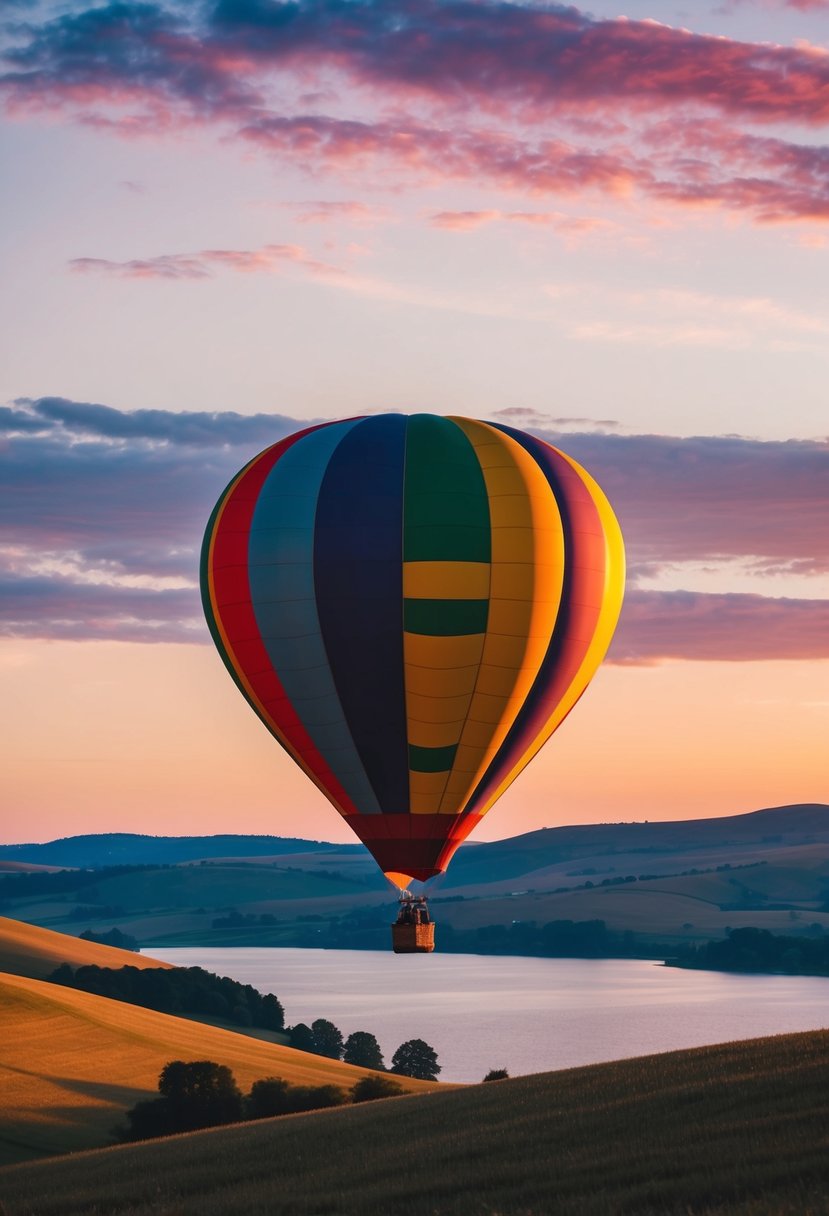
<point x="414" y="1058"/>
<point x="201" y="1093"/>
<point x="268" y="1097"/>
<point x="273" y="1015"/>
<point x="273" y="1096"/>
<point x="302" y="1037"/>
<point x="497" y="1074"/>
<point x="193" y="1095"/>
<point x="315" y="1097"/>
<point x="327" y="1039"/>
<point x="369" y="1088"/>
<point x="362" y="1049"/>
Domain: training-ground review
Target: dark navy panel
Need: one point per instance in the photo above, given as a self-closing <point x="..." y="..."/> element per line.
<point x="358" y="577"/>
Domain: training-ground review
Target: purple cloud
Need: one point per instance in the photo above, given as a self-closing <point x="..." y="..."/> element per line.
<point x="102" y="513"/>
<point x="659" y="625"/>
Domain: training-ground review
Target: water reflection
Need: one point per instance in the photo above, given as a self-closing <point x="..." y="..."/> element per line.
<point x="523" y="1014"/>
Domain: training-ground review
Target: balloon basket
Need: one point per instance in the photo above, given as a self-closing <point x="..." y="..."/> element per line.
<point x="413" y="939"/>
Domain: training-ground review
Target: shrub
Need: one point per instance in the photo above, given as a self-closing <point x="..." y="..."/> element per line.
<point x="369" y="1088"/>
<point x="267" y="1098"/>
<point x="194" y="1094"/>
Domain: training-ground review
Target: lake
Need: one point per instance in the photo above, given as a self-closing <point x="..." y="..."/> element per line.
<point x="523" y="1014"/>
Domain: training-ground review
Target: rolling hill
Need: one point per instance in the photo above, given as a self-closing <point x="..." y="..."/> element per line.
<point x="664" y="883"/>
<point x="734" y="1130"/>
<point x="130" y="848"/>
<point x="72" y="1063"/>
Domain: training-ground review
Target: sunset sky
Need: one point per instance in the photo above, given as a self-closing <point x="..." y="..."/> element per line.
<point x="609" y="226"/>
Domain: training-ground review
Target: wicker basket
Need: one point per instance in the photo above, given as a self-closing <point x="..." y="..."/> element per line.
<point x="413" y="939"/>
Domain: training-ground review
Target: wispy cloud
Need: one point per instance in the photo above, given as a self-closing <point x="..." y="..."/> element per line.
<point x="664" y="316"/>
<point x="102" y="512"/>
<point x="322" y="211"/>
<point x="202" y="265"/>
<point x="801" y="6"/>
<point x="567" y="226"/>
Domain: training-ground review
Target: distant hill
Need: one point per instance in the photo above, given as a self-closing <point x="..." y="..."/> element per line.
<point x="72" y="1063"/>
<point x="34" y="952"/>
<point x="661" y="884"/>
<point x="733" y="1130"/>
<point x="806" y="823"/>
<point x="126" y="848"/>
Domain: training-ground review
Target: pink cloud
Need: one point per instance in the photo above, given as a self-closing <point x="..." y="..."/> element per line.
<point x="433" y="153"/>
<point x="566" y="225"/>
<point x="463" y="221"/>
<point x="321" y="211"/>
<point x="268" y="259"/>
<point x="770" y="180"/>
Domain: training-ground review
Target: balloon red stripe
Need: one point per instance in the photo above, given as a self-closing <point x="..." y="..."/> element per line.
<point x="234" y="609"/>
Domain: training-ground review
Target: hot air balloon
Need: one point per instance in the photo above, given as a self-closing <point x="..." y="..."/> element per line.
<point x="412" y="605"/>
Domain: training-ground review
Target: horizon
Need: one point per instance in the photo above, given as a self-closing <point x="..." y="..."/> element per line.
<point x="614" y="823"/>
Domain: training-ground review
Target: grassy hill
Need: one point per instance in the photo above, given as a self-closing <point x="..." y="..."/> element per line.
<point x="736" y="1129"/>
<point x="72" y="1063"/>
<point x="35" y="952"/>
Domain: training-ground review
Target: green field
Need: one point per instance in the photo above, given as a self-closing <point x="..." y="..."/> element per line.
<point x="740" y="1128"/>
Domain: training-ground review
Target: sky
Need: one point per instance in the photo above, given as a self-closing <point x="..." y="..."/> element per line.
<point x="223" y="220"/>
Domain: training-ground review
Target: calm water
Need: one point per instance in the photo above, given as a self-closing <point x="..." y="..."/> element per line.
<point x="523" y="1014"/>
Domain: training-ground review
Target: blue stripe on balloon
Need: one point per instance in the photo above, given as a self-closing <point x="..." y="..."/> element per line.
<point x="358" y="565"/>
<point x="281" y="573"/>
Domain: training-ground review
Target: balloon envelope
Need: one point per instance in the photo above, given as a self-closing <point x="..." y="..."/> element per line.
<point x="412" y="605"/>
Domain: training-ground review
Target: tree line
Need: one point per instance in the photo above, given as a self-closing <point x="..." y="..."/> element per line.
<point x="178" y="990"/>
<point x="54" y="882"/>
<point x="414" y="1058"/>
<point x="751" y="949"/>
<point x="200" y="1093"/>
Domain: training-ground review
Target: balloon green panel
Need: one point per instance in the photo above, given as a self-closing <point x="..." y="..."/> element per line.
<point x="431" y="759"/>
<point x="445" y="618"/>
<point x="445" y="504"/>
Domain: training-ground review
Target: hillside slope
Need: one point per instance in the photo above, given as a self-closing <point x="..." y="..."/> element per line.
<point x="736" y="1129"/>
<point x="72" y="1063"/>
<point x="36" y="952"/>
